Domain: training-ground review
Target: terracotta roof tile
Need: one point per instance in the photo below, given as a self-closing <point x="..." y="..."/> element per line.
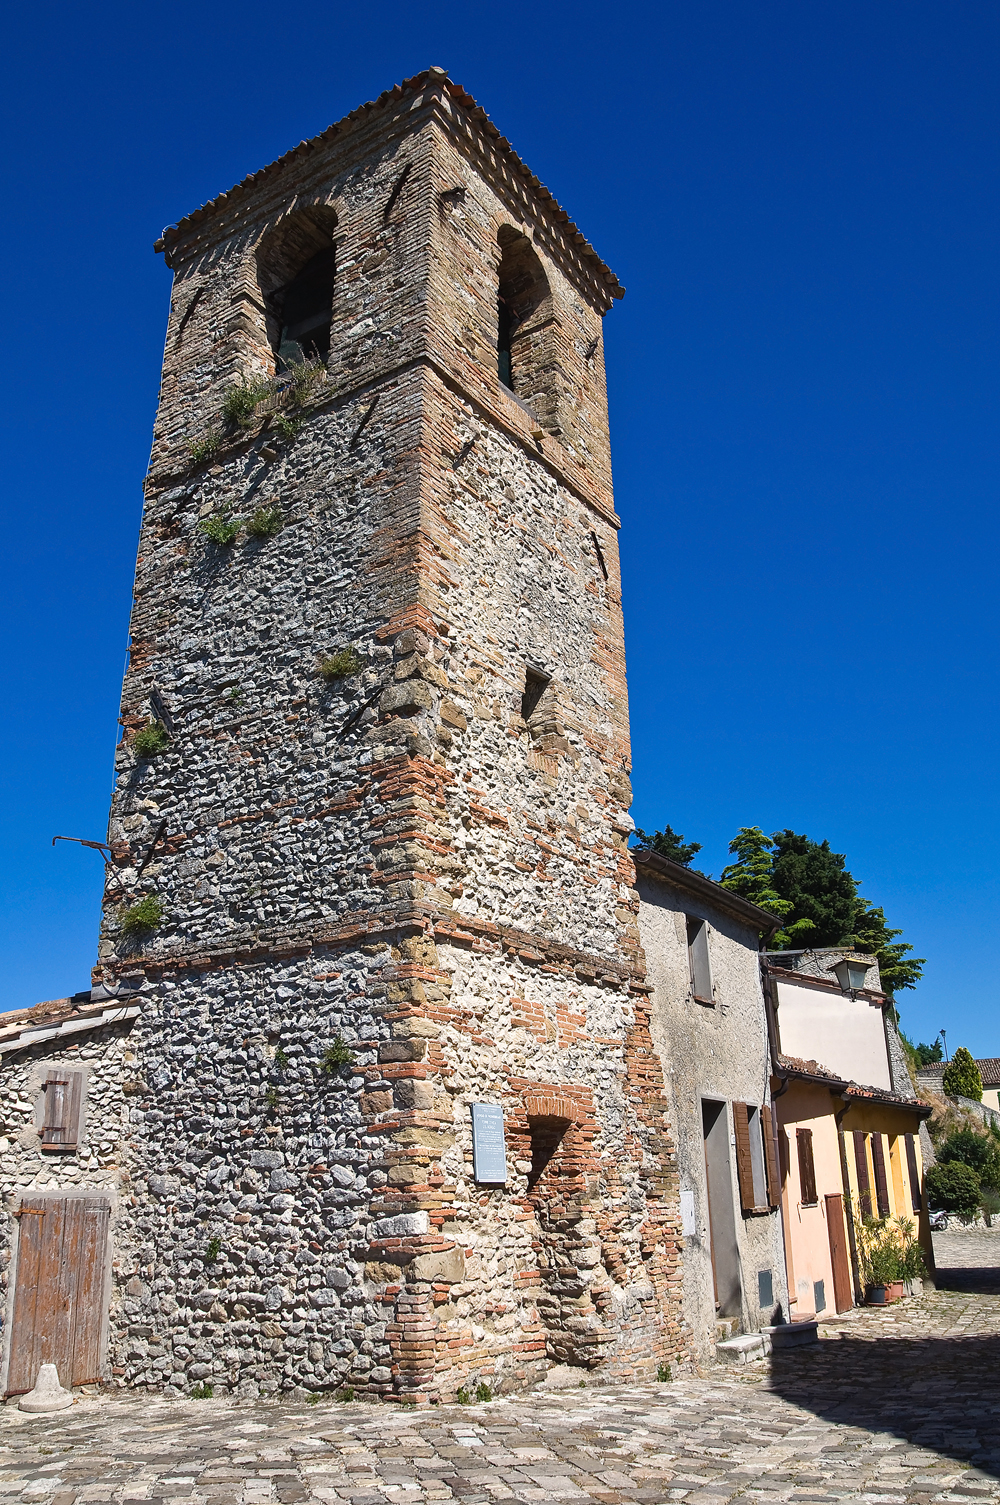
<point x="989" y="1070"/>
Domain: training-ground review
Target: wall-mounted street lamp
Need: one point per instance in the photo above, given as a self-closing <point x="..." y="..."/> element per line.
<point x="944" y="1042"/>
<point x="851" y="974"/>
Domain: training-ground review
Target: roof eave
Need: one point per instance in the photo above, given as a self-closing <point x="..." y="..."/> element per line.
<point x="705" y="888"/>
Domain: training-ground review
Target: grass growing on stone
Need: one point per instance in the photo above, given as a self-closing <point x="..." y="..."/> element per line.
<point x="150" y="740"/>
<point x="239" y="405"/>
<point x="214" y="1249"/>
<point x="146" y="915"/>
<point x="220" y="530"/>
<point x="285" y="426"/>
<point x="336" y="1055"/>
<point x="340" y="665"/>
<point x="203" y="449"/>
<point x="202" y="1392"/>
<point x="265" y="522"/>
<point x="483" y="1392"/>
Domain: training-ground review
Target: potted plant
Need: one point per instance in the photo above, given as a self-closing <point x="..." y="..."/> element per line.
<point x="880" y="1261"/>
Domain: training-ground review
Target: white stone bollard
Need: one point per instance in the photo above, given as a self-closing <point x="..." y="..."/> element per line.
<point x="48" y="1394"/>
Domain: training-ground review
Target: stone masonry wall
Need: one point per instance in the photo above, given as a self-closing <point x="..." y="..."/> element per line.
<point x="395" y="862"/>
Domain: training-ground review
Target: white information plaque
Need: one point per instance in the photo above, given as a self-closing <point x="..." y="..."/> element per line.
<point x="489" y="1152"/>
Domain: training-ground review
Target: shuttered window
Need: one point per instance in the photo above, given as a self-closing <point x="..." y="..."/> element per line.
<point x="744" y="1165"/>
<point x="916" y="1201"/>
<point x="698" y="960"/>
<point x="62" y="1109"/>
<point x="807" y="1168"/>
<point x="770" y="1158"/>
<point x="751" y="1151"/>
<point x="881" y="1185"/>
<point x="864" y="1180"/>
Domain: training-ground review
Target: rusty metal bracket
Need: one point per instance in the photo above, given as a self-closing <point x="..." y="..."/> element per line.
<point x="106" y="853"/>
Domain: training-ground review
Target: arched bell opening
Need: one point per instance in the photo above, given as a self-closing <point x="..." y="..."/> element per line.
<point x="296" y="268"/>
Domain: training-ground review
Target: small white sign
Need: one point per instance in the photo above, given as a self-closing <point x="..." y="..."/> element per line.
<point x="688" y="1224"/>
<point x="489" y="1151"/>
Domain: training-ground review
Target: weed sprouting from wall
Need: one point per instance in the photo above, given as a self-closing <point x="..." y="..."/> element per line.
<point x="145" y="915"/>
<point x="150" y="740"/>
<point x="265" y="522"/>
<point x="239" y="405"/>
<point x="203" y="449"/>
<point x="220" y="530"/>
<point x="341" y="665"/>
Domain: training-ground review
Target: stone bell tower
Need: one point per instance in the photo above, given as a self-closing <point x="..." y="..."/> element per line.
<point x="371" y="807"/>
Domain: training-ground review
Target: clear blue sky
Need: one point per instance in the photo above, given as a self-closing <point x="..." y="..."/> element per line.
<point x="802" y="202"/>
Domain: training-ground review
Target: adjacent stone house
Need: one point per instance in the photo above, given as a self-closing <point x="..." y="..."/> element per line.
<point x="848" y="1120"/>
<point x="395" y="1115"/>
<point x="709" y="1025"/>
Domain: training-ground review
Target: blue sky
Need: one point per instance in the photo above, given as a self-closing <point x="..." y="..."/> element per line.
<point x="802" y="203"/>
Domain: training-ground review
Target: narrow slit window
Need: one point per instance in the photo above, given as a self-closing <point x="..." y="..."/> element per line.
<point x="698" y="959"/>
<point x="535" y="686"/>
<point x="546" y="1136"/>
<point x="807" y="1167"/>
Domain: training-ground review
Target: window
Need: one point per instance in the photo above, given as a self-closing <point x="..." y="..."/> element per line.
<point x="295" y="273"/>
<point x="302" y="310"/>
<point x="807" y="1168"/>
<point x="756" y="1166"/>
<point x="698" y="962"/>
<point x="864" y="1180"/>
<point x="525" y="358"/>
<point x="881" y="1184"/>
<point x="546" y="1136"/>
<point x="916" y="1201"/>
<point x="62" y="1110"/>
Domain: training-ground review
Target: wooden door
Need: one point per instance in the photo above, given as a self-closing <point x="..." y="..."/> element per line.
<point x="58" y="1302"/>
<point x="842" y="1298"/>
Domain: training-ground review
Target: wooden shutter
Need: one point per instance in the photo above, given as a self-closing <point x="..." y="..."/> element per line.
<point x="58" y="1302"/>
<point x="701" y="971"/>
<point x="807" y="1168"/>
<point x="744" y="1164"/>
<point x="770" y="1159"/>
<point x="864" y="1180"/>
<point x="838" y="1252"/>
<point x="916" y="1200"/>
<point x="881" y="1185"/>
<point x="63" y="1107"/>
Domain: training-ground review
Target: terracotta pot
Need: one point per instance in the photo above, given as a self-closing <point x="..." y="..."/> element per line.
<point x="894" y="1291"/>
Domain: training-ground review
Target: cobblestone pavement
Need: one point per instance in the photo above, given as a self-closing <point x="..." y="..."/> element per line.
<point x="893" y="1406"/>
<point x="969" y="1259"/>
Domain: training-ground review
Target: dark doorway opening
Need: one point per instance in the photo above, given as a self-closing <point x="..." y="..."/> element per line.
<point x="721" y="1212"/>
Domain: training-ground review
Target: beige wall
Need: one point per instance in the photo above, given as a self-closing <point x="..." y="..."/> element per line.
<point x="846" y="1035"/>
<point x="807" y="1238"/>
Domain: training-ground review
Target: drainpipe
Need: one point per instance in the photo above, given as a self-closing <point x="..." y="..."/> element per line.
<point x="848" y="1201"/>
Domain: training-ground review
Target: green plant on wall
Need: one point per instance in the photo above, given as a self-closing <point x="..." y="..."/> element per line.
<point x="142" y="916"/>
<point x="150" y="740"/>
<point x="239" y="405"/>
<point x="265" y="522"/>
<point x="340" y="665"/>
<point x="961" y="1076"/>
<point x="337" y="1055"/>
<point x="218" y="529"/>
<point x="214" y="1249"/>
<point x="286" y="427"/>
<point x="203" y="449"/>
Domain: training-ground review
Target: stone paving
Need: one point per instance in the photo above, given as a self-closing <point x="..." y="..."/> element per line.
<point x="891" y="1407"/>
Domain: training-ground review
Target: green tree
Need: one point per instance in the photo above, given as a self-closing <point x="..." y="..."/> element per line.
<point x="816" y="882"/>
<point x="981" y="1151"/>
<point x="667" y="843"/>
<point x="953" y="1187"/>
<point x="750" y="876"/>
<point x="961" y="1076"/>
<point x="897" y="970"/>
<point x="927" y="1055"/>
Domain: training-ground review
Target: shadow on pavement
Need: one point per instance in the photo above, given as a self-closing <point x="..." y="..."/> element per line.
<point x="984" y="1281"/>
<point x="937" y="1393"/>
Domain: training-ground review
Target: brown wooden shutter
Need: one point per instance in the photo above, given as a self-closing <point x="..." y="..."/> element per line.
<point x="744" y="1164"/>
<point x="916" y="1200"/>
<point x="881" y="1186"/>
<point x="58" y="1301"/>
<point x="63" y="1106"/>
<point x="807" y="1168"/>
<point x="838" y="1252"/>
<point x="770" y="1159"/>
<point x="864" y="1180"/>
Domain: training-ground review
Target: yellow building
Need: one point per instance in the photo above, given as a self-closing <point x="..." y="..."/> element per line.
<point x="847" y="1122"/>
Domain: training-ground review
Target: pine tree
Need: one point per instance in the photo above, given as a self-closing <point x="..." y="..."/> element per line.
<point x="961" y="1076"/>
<point x="750" y="876"/>
<point x="897" y="970"/>
<point x="816" y="882"/>
<point x="667" y="843"/>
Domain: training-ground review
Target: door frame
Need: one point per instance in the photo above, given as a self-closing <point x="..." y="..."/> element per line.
<point x="59" y="1193"/>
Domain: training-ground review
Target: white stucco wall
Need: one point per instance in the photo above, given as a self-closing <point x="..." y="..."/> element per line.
<point x="844" y="1034"/>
